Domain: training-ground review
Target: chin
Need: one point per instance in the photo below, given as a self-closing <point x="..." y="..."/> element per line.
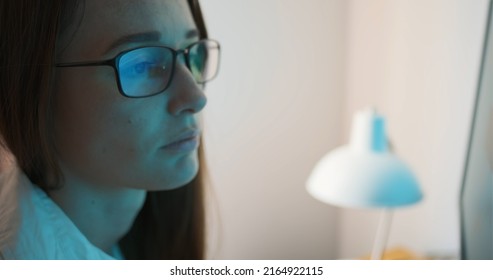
<point x="183" y="180"/>
<point x="177" y="177"/>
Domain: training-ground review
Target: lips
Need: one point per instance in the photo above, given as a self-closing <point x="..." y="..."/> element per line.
<point x="187" y="138"/>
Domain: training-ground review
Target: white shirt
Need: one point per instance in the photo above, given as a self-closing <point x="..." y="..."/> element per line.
<point x="34" y="227"/>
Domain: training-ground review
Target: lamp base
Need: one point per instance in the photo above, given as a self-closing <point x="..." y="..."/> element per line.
<point x="398" y="253"/>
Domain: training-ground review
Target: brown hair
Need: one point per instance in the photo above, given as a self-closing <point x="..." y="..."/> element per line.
<point x="171" y="223"/>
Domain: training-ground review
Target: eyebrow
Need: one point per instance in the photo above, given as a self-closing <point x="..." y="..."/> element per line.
<point x="192" y="33"/>
<point x="146" y="37"/>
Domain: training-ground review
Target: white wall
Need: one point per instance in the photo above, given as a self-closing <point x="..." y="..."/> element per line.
<point x="418" y="62"/>
<point x="293" y="73"/>
<point x="274" y="110"/>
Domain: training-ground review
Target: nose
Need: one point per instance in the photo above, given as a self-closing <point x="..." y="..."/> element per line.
<point x="186" y="96"/>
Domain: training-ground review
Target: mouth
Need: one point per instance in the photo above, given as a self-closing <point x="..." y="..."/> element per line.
<point x="186" y="142"/>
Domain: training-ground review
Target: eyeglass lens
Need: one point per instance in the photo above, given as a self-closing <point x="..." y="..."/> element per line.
<point x="147" y="71"/>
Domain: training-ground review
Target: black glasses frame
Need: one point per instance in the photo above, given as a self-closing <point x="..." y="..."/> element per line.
<point x="113" y="62"/>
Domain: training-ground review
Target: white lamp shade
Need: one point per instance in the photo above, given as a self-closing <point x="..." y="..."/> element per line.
<point x="353" y="179"/>
<point x="364" y="174"/>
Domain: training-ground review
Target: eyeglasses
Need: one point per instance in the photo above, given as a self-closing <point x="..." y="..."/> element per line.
<point x="147" y="71"/>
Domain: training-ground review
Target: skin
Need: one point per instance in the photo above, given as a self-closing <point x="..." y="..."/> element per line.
<point x="110" y="147"/>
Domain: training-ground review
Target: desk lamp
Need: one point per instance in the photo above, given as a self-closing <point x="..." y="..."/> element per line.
<point x="365" y="174"/>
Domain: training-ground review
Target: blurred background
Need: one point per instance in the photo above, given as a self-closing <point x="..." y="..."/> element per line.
<point x="293" y="73"/>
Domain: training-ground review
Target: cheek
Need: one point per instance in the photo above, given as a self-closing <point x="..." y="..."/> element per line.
<point x="94" y="125"/>
<point x="106" y="139"/>
<point x="82" y="105"/>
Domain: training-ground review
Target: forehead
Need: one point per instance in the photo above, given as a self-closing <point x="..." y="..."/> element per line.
<point x="105" y="21"/>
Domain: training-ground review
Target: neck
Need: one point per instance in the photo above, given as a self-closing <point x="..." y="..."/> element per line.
<point x="103" y="214"/>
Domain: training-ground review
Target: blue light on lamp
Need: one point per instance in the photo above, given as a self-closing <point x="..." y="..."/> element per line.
<point x="365" y="174"/>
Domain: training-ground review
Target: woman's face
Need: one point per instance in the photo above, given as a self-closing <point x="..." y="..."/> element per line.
<point x="104" y="138"/>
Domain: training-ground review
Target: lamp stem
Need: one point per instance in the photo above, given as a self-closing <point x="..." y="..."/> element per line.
<point x="382" y="234"/>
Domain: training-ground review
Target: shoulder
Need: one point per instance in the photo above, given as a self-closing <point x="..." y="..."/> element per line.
<point x="32" y="226"/>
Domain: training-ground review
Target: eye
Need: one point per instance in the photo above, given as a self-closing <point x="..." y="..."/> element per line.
<point x="140" y="63"/>
<point x="137" y="68"/>
<point x="143" y="67"/>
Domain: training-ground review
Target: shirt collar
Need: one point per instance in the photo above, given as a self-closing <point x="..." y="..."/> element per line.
<point x="43" y="230"/>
